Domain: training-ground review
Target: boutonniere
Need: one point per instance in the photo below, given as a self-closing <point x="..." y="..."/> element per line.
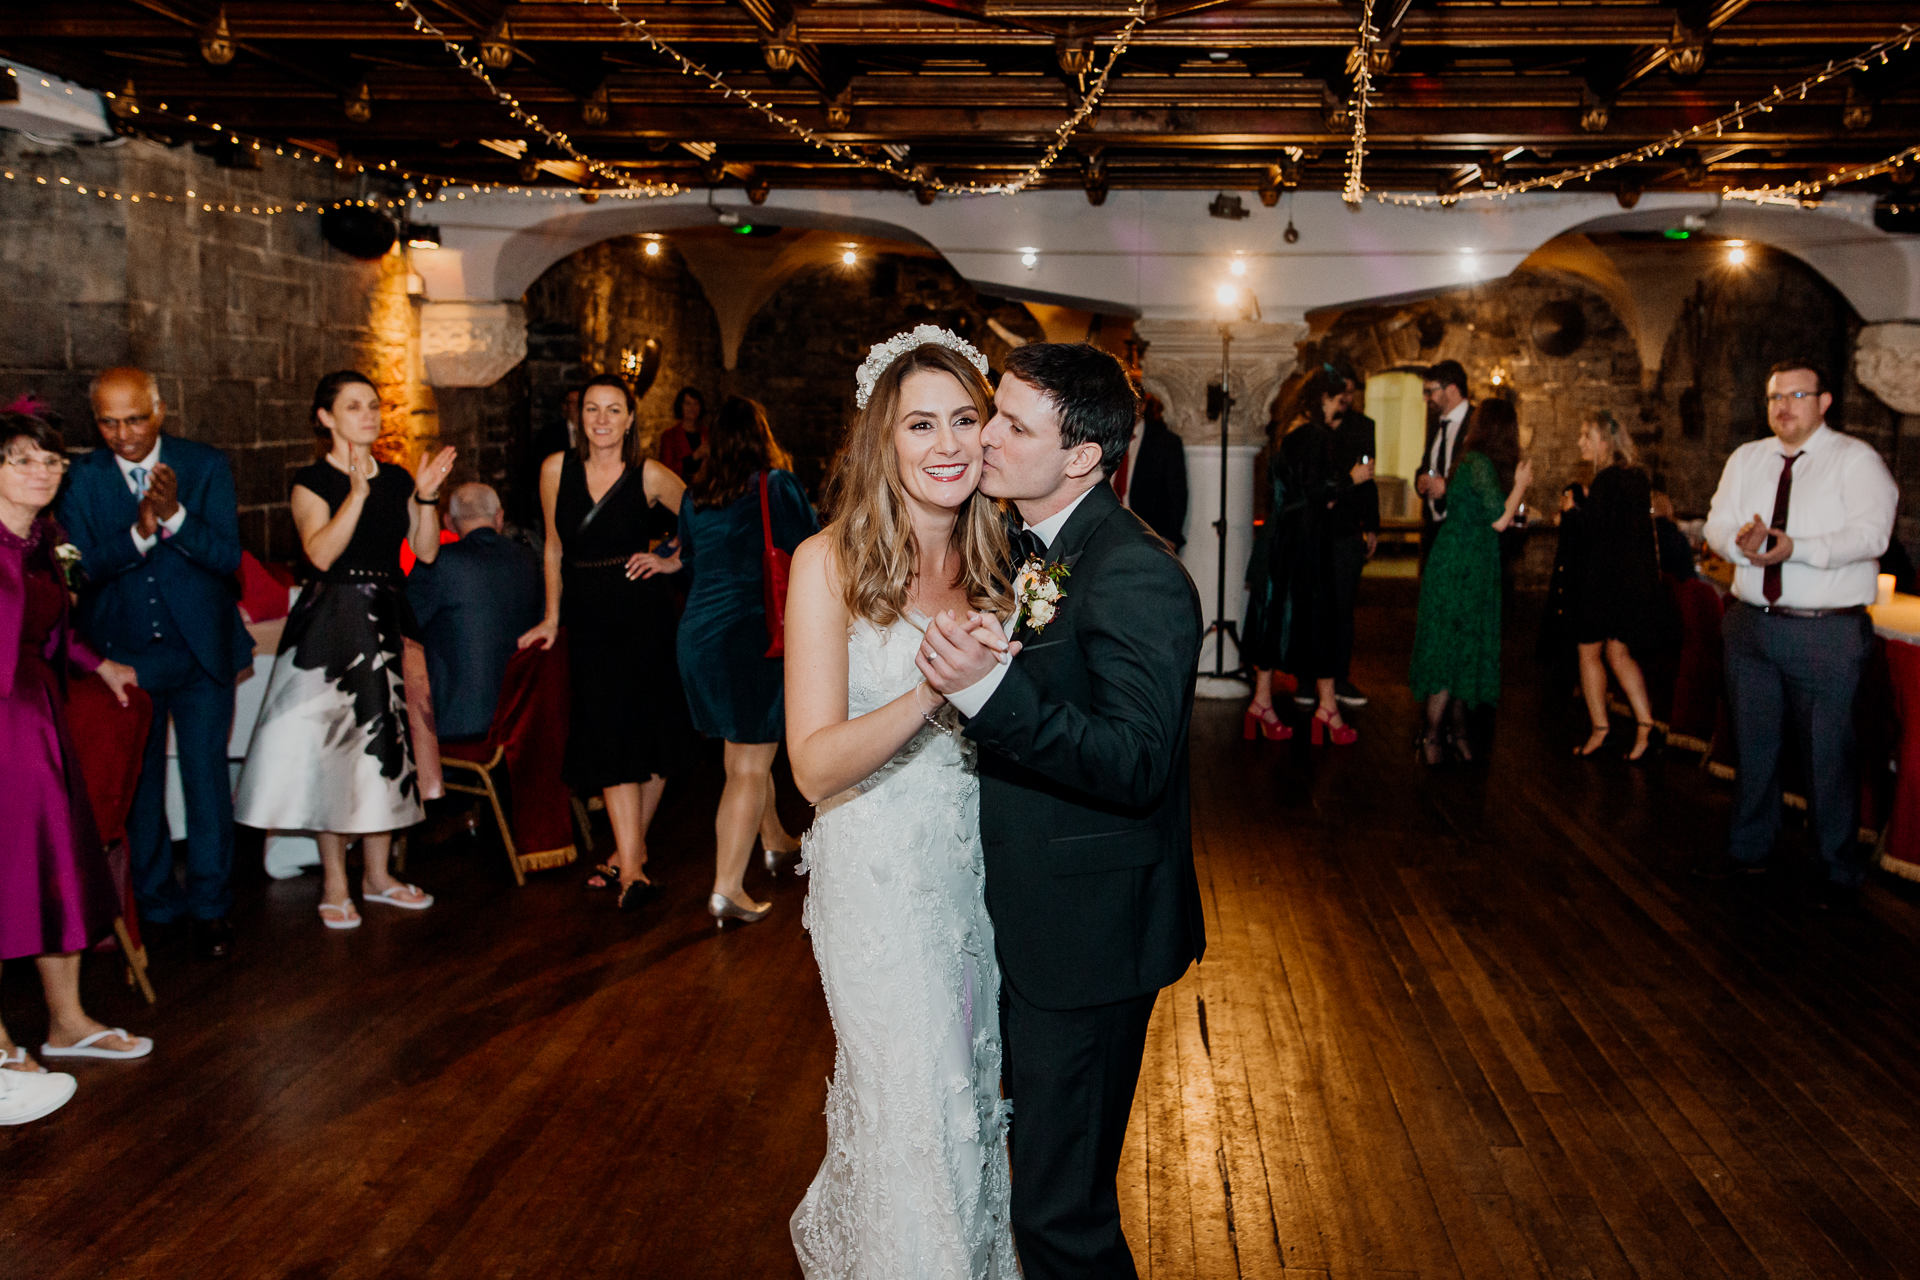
<point x="67" y="557"/>
<point x="1036" y="592"/>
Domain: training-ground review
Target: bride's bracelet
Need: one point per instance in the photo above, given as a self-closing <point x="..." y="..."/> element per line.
<point x="924" y="713"/>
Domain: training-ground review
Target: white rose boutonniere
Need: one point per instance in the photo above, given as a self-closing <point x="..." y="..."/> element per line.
<point x="67" y="557"/>
<point x="1037" y="594"/>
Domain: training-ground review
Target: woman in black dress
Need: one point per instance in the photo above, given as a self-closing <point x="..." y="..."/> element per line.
<point x="332" y="752"/>
<point x="1293" y="622"/>
<point x="1616" y="607"/>
<point x="606" y="510"/>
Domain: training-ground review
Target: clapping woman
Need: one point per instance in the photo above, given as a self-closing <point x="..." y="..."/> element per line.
<point x="332" y="752"/>
<point x="1456" y="637"/>
<point x="734" y="690"/>
<point x="606" y="510"/>
<point x="56" y="893"/>
<point x="1617" y="603"/>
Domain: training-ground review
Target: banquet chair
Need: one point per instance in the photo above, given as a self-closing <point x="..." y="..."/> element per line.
<point x="109" y="741"/>
<point x="527" y="742"/>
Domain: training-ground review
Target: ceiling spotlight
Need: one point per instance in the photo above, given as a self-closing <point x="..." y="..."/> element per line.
<point x="1226" y="295"/>
<point x="849" y="257"/>
<point x="1736" y="254"/>
<point x="1238" y="266"/>
<point x="1028" y="257"/>
<point x="653" y="248"/>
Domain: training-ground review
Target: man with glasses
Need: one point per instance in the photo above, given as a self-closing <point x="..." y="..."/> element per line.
<point x="158" y="529"/>
<point x="1804" y="516"/>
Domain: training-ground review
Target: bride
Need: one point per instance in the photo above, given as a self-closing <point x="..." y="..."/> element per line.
<point x="915" y="1180"/>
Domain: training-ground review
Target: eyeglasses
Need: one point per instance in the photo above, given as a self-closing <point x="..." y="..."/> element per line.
<point x="131" y="420"/>
<point x="57" y="466"/>
<point x="1781" y="397"/>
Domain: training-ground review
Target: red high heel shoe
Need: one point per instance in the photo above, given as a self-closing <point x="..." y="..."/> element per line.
<point x="1266" y="723"/>
<point x="1342" y="734"/>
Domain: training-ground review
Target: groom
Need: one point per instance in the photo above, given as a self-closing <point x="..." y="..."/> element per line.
<point x="1083" y="797"/>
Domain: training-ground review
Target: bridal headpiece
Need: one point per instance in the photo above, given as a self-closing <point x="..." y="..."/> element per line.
<point x="885" y="353"/>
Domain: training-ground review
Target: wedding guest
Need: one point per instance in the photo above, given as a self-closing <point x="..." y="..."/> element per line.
<point x="56" y="893"/>
<point x="1445" y="388"/>
<point x="735" y="691"/>
<point x="1803" y="515"/>
<point x="680" y="443"/>
<point x="1353" y="531"/>
<point x="607" y="511"/>
<point x="158" y="529"/>
<point x="332" y="752"/>
<point x="1556" y="648"/>
<point x="1291" y="619"/>
<point x="1617" y="606"/>
<point x="472" y="604"/>
<point x="1151" y="480"/>
<point x="1456" y="638"/>
<point x="1676" y="553"/>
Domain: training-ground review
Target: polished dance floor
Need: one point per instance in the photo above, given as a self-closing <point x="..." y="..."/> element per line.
<point x="1472" y="1024"/>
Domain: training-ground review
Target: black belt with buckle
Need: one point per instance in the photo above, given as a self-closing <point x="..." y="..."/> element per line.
<point x="1787" y="611"/>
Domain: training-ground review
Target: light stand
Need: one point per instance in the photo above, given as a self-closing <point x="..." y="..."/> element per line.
<point x="1235" y="302"/>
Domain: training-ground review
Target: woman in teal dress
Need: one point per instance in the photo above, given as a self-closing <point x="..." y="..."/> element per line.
<point x="1456" y="641"/>
<point x="734" y="690"/>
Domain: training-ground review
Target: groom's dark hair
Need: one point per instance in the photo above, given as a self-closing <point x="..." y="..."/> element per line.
<point x="1089" y="389"/>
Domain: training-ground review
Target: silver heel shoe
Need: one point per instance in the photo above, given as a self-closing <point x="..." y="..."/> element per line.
<point x="774" y="858"/>
<point x="722" y="909"/>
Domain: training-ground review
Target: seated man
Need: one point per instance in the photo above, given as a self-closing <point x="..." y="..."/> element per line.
<point x="473" y="604"/>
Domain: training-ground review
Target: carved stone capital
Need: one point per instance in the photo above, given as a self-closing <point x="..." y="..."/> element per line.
<point x="1183" y="360"/>
<point x="1886" y="359"/>
<point x="471" y="344"/>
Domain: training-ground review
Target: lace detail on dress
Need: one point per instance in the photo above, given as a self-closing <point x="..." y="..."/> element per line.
<point x="915" y="1180"/>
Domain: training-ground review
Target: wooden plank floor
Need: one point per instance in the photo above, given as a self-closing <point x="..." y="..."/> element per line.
<point x="1472" y="1024"/>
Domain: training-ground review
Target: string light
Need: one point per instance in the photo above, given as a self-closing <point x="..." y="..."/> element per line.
<point x="920" y="177"/>
<point x="1363" y="89"/>
<point x="1714" y="128"/>
<point x="1802" y="193"/>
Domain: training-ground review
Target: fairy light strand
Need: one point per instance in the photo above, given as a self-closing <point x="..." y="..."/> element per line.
<point x="1735" y="119"/>
<point x="918" y="177"/>
<point x="1800" y="193"/>
<point x="1356" y="187"/>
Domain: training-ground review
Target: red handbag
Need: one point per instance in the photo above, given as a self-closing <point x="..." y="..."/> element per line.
<point x="775" y="567"/>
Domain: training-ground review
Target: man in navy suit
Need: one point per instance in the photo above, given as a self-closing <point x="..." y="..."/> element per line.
<point x="473" y="604"/>
<point x="158" y="529"/>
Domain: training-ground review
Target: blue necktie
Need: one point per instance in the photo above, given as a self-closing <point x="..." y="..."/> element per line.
<point x="139" y="477"/>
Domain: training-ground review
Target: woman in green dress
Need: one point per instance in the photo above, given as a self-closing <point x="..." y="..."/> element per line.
<point x="1456" y="641"/>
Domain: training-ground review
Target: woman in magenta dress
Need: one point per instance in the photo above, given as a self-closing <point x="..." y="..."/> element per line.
<point x="56" y="894"/>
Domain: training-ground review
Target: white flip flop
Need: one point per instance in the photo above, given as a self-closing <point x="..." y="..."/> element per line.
<point x="347" y="918"/>
<point x="89" y="1048"/>
<point x="425" y="900"/>
<point x="18" y="1058"/>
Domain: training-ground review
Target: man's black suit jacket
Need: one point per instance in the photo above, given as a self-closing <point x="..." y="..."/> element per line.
<point x="1157" y="482"/>
<point x="473" y="603"/>
<point x="1084" y="798"/>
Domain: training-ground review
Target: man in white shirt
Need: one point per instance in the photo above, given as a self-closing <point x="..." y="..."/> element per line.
<point x="1804" y="516"/>
<point x="1445" y="388"/>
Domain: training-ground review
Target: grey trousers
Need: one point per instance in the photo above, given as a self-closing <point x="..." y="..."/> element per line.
<point x="1798" y="676"/>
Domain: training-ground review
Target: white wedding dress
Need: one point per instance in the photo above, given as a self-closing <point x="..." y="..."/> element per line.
<point x="915" y="1182"/>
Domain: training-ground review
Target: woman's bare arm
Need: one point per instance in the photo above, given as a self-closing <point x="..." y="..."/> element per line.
<point x="549" y="626"/>
<point x="324" y="534"/>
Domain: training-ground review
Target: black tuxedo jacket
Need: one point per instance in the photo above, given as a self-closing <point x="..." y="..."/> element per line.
<point x="1084" y="809"/>
<point x="1157" y="485"/>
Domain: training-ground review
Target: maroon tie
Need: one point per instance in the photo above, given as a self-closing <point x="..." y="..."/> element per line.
<point x="1782" y="496"/>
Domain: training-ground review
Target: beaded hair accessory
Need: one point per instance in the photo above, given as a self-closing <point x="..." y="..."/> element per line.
<point x="885" y="353"/>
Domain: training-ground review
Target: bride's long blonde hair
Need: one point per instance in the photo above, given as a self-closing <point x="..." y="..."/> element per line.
<point x="872" y="531"/>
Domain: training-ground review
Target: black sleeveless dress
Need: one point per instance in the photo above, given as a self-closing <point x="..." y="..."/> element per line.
<point x="628" y="715"/>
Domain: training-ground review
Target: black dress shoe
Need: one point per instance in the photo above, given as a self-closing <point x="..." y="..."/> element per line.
<point x="212" y="939"/>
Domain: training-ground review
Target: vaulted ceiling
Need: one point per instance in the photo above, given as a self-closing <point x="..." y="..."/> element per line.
<point x="1240" y="94"/>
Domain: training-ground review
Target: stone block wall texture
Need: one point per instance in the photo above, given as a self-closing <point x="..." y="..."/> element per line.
<point x="1707" y="397"/>
<point x="236" y="315"/>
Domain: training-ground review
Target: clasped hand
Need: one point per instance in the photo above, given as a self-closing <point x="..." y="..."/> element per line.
<point x="958" y="652"/>
<point x="1752" y="541"/>
<point x="160" y="501"/>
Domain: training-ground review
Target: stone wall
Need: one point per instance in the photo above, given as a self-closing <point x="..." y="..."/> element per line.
<point x="238" y="315"/>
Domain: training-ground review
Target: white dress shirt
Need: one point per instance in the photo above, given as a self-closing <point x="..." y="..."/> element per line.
<point x="1438" y="458"/>
<point x="970" y="699"/>
<point x="1840" y="516"/>
<point x="172" y="523"/>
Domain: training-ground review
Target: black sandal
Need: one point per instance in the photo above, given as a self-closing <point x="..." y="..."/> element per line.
<point x="1595" y="740"/>
<point x="605" y="876"/>
<point x="1640" y="753"/>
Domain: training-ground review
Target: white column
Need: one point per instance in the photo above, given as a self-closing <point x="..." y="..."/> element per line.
<point x="1183" y="357"/>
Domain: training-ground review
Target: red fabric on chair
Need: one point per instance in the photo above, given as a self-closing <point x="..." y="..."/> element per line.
<point x="109" y="740"/>
<point x="263" y="595"/>
<point x="1699" y="674"/>
<point x="1900" y="851"/>
<point x="530" y="722"/>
